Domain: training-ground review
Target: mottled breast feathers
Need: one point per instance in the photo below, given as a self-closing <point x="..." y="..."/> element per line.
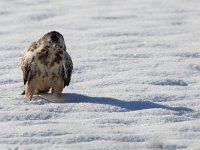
<point x="47" y="60"/>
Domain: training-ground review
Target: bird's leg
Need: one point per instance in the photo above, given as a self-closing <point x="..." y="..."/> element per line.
<point x="29" y="90"/>
<point x="58" y="87"/>
<point x="30" y="97"/>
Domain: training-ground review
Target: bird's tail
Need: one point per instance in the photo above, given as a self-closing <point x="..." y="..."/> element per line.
<point x="23" y="93"/>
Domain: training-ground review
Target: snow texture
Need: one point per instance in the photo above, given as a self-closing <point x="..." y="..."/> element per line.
<point x="136" y="78"/>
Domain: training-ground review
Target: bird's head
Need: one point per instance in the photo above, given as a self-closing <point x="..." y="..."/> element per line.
<point x="53" y="39"/>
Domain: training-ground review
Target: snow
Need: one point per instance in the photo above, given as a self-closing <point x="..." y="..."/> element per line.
<point x="136" y="78"/>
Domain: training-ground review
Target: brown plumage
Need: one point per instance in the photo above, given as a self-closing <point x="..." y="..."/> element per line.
<point x="46" y="65"/>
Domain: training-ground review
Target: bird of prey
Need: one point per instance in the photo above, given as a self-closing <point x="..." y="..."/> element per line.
<point x="46" y="65"/>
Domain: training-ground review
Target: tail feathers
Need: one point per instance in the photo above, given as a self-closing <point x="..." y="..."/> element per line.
<point x="23" y="93"/>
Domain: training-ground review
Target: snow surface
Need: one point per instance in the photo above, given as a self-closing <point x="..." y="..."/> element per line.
<point x="136" y="79"/>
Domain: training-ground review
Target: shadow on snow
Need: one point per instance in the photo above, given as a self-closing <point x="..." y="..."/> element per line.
<point x="129" y="105"/>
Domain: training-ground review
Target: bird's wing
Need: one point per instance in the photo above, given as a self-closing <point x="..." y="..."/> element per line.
<point x="67" y="68"/>
<point x="28" y="63"/>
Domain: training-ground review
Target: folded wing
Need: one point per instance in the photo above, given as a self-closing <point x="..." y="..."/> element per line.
<point x="67" y="68"/>
<point x="28" y="63"/>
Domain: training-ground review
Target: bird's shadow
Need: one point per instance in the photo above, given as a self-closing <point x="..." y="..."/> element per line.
<point x="129" y="105"/>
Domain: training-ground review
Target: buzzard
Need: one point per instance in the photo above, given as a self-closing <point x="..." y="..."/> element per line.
<point x="46" y="65"/>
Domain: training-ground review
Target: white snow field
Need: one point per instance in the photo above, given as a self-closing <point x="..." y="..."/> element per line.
<point x="135" y="83"/>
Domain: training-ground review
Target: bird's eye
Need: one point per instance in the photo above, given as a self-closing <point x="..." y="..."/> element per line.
<point x="49" y="41"/>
